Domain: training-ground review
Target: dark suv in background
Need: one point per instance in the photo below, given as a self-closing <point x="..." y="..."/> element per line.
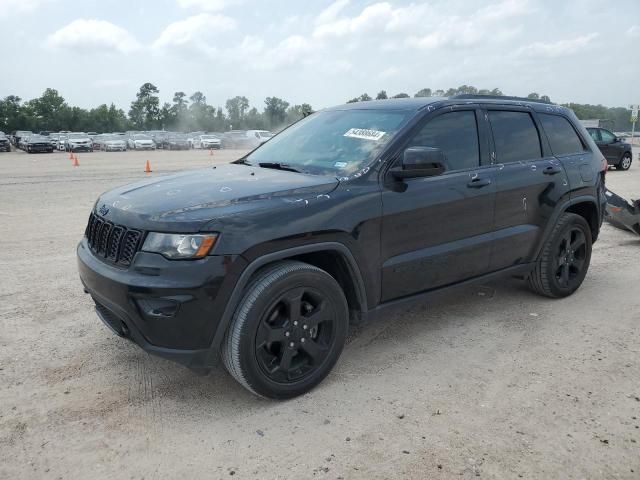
<point x="349" y="213"/>
<point x="617" y="152"/>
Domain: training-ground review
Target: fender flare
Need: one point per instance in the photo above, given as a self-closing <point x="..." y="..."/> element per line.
<point x="559" y="211"/>
<point x="255" y="265"/>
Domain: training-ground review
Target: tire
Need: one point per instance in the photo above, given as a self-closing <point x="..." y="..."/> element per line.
<point x="625" y="162"/>
<point x="559" y="271"/>
<point x="280" y="352"/>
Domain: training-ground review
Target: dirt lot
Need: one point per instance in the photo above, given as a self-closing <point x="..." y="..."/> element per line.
<point x="494" y="381"/>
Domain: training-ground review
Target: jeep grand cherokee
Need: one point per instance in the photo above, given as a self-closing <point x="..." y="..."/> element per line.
<point x="353" y="210"/>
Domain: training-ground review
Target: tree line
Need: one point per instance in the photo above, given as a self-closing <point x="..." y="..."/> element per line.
<point x="185" y="113"/>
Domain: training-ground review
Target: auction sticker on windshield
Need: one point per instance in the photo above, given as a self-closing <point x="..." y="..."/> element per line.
<point x="365" y="134"/>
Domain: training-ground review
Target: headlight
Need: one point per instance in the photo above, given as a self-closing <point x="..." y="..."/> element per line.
<point x="179" y="246"/>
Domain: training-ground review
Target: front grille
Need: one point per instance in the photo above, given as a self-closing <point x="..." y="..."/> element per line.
<point x="114" y="243"/>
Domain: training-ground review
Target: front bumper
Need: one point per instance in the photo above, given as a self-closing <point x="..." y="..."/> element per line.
<point x="115" y="148"/>
<point x="169" y="308"/>
<point x="81" y="148"/>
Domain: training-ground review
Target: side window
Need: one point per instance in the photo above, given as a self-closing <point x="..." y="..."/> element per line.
<point x="607" y="136"/>
<point x="562" y="136"/>
<point x="515" y="136"/>
<point x="456" y="134"/>
<point x="594" y="134"/>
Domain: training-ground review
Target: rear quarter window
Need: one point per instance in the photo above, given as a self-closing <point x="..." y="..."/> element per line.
<point x="563" y="138"/>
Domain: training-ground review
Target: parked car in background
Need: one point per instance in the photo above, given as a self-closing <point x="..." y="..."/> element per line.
<point x="258" y="137"/>
<point x="62" y="142"/>
<point x="140" y="141"/>
<point x="237" y="139"/>
<point x="110" y="143"/>
<point x="38" y="144"/>
<point x="19" y="135"/>
<point x="617" y="152"/>
<point x="207" y="141"/>
<point x="53" y="139"/>
<point x="176" y="141"/>
<point x="191" y="137"/>
<point x="5" y="144"/>
<point x="158" y="137"/>
<point x="79" y="142"/>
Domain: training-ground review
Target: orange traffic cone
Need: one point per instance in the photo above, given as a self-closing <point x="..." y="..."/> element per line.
<point x="75" y="161"/>
<point x="147" y="167"/>
<point x="211" y="152"/>
<point x="70" y="155"/>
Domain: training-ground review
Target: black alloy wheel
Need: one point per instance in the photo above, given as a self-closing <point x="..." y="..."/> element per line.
<point x="295" y="334"/>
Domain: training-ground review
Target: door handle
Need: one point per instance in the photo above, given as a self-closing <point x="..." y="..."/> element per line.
<point x="479" y="182"/>
<point x="552" y="170"/>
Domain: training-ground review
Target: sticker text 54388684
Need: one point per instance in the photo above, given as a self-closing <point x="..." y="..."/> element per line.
<point x="365" y="134"/>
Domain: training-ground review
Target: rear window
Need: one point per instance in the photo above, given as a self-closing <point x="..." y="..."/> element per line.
<point x="515" y="135"/>
<point x="562" y="136"/>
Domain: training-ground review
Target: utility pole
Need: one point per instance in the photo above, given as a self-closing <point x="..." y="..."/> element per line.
<point x="634" y="119"/>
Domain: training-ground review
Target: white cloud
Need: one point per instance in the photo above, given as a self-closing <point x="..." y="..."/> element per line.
<point x="9" y="8"/>
<point x="634" y="31"/>
<point x="560" y="48"/>
<point x="389" y="73"/>
<point x="374" y="16"/>
<point x="89" y="35"/>
<point x="196" y="31"/>
<point x="330" y="13"/>
<point x="208" y="5"/>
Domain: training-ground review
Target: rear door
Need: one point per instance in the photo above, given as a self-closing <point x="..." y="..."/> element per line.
<point x="436" y="230"/>
<point x="530" y="183"/>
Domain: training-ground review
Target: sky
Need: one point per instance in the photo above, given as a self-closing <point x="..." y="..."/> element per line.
<point x="321" y="52"/>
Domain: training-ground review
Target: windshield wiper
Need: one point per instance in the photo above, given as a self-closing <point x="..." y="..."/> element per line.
<point x="279" y="166"/>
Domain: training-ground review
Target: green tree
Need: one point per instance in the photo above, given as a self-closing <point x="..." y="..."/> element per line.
<point x="145" y="110"/>
<point x="237" y="108"/>
<point x="382" y="95"/>
<point x="275" y="111"/>
<point x="364" y="97"/>
<point x="401" y="95"/>
<point x="425" y="92"/>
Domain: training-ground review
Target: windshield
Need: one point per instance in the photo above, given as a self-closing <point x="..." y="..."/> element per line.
<point x="142" y="137"/>
<point x="209" y="137"/>
<point x="77" y="135"/>
<point x="335" y="142"/>
<point x="265" y="134"/>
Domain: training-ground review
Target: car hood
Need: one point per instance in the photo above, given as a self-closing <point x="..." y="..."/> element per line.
<point x="187" y="201"/>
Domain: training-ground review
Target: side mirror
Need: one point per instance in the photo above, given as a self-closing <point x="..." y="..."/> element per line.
<point x="421" y="162"/>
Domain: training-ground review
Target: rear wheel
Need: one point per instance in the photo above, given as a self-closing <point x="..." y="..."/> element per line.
<point x="625" y="163"/>
<point x="564" y="260"/>
<point x="288" y="331"/>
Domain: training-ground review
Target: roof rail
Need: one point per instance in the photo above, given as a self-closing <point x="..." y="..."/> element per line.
<point x="499" y="97"/>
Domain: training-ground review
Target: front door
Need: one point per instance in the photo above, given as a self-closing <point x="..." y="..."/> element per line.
<point x="436" y="230"/>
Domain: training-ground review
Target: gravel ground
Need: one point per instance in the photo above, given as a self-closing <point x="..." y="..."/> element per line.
<point x="493" y="381"/>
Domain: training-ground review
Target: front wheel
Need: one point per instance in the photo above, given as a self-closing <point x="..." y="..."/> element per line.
<point x="564" y="260"/>
<point x="625" y="163"/>
<point x="288" y="330"/>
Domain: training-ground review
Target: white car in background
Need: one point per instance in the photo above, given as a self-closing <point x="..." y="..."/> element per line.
<point x="207" y="142"/>
<point x="141" y="142"/>
<point x="258" y="137"/>
<point x="79" y="141"/>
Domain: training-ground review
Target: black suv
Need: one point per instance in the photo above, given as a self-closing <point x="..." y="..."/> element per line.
<point x="617" y="152"/>
<point x="353" y="210"/>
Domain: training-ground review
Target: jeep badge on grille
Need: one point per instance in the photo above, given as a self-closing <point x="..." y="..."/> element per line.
<point x="103" y="210"/>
